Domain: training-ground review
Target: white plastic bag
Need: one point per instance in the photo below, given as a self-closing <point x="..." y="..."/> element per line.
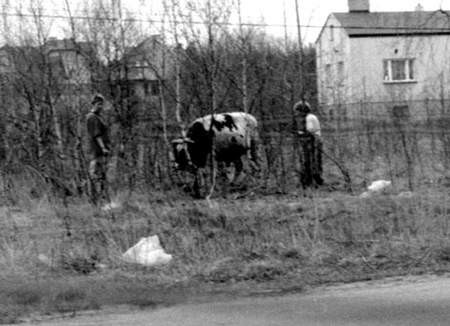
<point x="148" y="252"/>
<point x="379" y="185"/>
<point x="376" y="187"/>
<point x="110" y="206"/>
<point x="365" y="194"/>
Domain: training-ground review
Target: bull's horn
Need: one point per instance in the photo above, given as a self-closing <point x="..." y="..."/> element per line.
<point x="177" y="141"/>
<point x="188" y="140"/>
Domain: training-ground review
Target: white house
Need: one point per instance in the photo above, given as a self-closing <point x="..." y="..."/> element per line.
<point x="390" y="60"/>
<point x="143" y="67"/>
<point x="70" y="60"/>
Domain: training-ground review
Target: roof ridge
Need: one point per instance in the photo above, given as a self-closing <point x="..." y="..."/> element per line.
<point x="395" y="23"/>
<point x="392" y="12"/>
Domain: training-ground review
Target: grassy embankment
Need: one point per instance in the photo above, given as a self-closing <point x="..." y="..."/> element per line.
<point x="65" y="259"/>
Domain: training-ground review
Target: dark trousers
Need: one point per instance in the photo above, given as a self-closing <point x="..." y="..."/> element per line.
<point x="97" y="176"/>
<point x="311" y="173"/>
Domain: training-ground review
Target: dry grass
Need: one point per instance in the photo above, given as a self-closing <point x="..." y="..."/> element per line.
<point x="57" y="258"/>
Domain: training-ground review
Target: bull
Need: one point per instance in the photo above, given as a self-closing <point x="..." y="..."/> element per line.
<point x="232" y="136"/>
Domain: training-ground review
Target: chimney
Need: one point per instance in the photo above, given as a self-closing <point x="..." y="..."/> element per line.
<point x="358" y="6"/>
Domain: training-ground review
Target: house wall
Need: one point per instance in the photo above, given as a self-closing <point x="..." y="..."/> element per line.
<point x="431" y="69"/>
<point x="333" y="49"/>
<point x="5" y="62"/>
<point x="75" y="65"/>
<point x="146" y="64"/>
<point x="350" y="70"/>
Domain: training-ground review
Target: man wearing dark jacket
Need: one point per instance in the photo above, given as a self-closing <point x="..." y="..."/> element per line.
<point x="98" y="142"/>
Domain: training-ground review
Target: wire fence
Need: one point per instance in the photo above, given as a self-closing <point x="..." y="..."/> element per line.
<point x="408" y="143"/>
<point x="412" y="153"/>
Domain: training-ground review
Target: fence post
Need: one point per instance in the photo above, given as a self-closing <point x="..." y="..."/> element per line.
<point x="445" y="138"/>
<point x="430" y="126"/>
<point x="400" y="114"/>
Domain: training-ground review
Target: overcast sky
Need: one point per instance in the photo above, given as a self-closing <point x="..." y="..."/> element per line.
<point x="313" y="13"/>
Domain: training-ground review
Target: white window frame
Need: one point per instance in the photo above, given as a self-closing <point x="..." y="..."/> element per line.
<point x="388" y="73"/>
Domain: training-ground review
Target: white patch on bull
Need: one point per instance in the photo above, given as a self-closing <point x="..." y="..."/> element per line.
<point x="219" y="117"/>
<point x="240" y="119"/>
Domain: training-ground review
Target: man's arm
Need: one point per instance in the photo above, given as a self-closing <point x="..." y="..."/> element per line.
<point x="100" y="143"/>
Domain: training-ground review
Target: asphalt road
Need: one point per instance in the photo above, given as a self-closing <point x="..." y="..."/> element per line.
<point x="412" y="301"/>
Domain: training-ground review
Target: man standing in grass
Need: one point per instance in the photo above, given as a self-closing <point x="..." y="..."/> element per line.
<point x="98" y="141"/>
<point x="311" y="145"/>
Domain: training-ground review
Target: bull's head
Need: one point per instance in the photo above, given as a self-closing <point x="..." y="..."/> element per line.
<point x="181" y="156"/>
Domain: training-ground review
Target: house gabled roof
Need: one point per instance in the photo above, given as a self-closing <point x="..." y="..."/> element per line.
<point x="70" y="45"/>
<point x="143" y="48"/>
<point x="140" y="62"/>
<point x="405" y="23"/>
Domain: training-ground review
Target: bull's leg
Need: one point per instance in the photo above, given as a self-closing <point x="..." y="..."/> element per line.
<point x="196" y="186"/>
<point x="239" y="166"/>
<point x="204" y="183"/>
<point x="229" y="171"/>
<point x="199" y="184"/>
<point x="254" y="155"/>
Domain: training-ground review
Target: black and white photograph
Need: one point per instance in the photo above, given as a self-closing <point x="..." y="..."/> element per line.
<point x="225" y="162"/>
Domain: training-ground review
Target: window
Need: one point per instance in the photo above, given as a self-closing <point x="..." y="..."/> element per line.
<point x="53" y="54"/>
<point x="152" y="88"/>
<point x="398" y="70"/>
<point x="400" y="112"/>
<point x="341" y="71"/>
<point x="4" y="61"/>
<point x="331" y="33"/>
<point x="328" y="74"/>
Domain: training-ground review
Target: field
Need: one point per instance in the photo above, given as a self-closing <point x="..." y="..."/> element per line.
<point x="59" y="259"/>
<point x="63" y="254"/>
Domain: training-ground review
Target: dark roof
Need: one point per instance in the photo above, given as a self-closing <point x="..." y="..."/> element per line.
<point x="144" y="46"/>
<point x="68" y="45"/>
<point x="365" y="24"/>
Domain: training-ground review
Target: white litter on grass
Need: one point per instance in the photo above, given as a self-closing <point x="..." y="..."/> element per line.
<point x="406" y="194"/>
<point x="45" y="260"/>
<point x="379" y="185"/>
<point x="110" y="206"/>
<point x="365" y="194"/>
<point x="148" y="252"/>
